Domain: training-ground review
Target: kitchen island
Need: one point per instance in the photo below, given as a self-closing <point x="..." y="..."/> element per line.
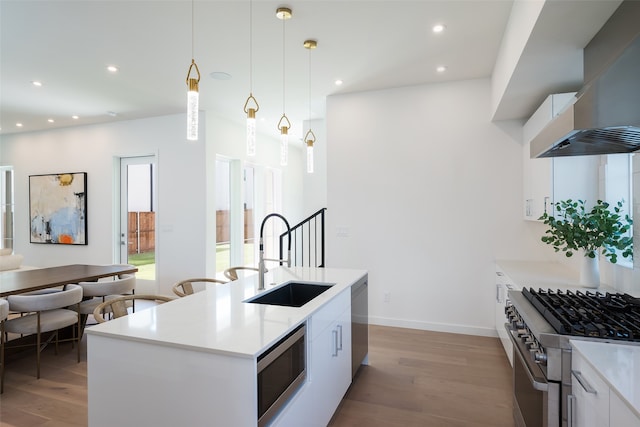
<point x="193" y="361"/>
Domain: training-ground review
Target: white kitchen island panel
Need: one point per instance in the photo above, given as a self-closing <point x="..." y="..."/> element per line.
<point x="192" y="361"/>
<point x="144" y="384"/>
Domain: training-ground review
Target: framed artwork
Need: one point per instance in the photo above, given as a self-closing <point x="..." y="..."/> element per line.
<point x="58" y="208"/>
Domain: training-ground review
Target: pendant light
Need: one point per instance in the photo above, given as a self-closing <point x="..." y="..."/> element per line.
<point x="192" y="93"/>
<point x="310" y="137"/>
<point x="284" y="124"/>
<point x="251" y="106"/>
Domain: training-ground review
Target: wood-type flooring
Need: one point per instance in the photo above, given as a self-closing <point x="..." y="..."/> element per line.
<point x="414" y="378"/>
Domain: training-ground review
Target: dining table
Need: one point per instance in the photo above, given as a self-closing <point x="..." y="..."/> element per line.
<point x="17" y="282"/>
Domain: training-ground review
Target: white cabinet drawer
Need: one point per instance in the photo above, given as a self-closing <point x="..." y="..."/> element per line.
<point x="329" y="313"/>
<point x="591" y="395"/>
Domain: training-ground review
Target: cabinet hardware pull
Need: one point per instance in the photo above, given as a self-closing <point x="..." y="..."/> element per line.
<point x="340" y="339"/>
<point x="571" y="404"/>
<point x="335" y="343"/>
<point x="583" y="382"/>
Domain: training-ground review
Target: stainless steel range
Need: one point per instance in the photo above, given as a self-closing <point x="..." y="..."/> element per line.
<point x="541" y="323"/>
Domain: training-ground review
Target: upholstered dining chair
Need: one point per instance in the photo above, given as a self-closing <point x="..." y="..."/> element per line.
<point x="45" y="311"/>
<point x="231" y="273"/>
<point x="100" y="291"/>
<point x="4" y="313"/>
<point x="118" y="307"/>
<point x="186" y="287"/>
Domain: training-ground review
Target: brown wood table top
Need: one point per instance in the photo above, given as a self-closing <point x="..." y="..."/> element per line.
<point x="16" y="282"/>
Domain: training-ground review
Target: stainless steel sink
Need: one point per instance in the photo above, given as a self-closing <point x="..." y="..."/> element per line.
<point x="291" y="294"/>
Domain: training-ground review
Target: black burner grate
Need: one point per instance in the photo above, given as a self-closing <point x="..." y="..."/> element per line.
<point x="589" y="314"/>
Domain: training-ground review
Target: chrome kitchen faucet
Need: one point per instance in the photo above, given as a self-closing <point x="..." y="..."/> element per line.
<point x="261" y="267"/>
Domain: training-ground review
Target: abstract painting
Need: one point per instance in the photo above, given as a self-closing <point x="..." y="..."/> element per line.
<point x="58" y="208"/>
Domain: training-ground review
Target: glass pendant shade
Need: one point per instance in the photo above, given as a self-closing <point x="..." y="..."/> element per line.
<point x="284" y="146"/>
<point x="251" y="132"/>
<point x="251" y="111"/>
<point x="192" y="103"/>
<point x="309" y="157"/>
<point x="283" y="126"/>
<point x="309" y="139"/>
<point x="192" y="114"/>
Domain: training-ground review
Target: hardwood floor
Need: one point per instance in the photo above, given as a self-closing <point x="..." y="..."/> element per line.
<point x="424" y="378"/>
<point x="415" y="378"/>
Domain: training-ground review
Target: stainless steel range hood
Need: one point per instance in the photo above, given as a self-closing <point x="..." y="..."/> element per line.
<point x="605" y="118"/>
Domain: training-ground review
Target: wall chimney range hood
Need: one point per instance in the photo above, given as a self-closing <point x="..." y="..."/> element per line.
<point x="605" y="117"/>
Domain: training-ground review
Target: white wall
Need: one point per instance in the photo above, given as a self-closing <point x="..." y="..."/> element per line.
<point x="185" y="245"/>
<point x="424" y="192"/>
<point x="93" y="149"/>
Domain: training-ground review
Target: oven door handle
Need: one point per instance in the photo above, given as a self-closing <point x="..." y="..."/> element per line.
<point x="538" y="383"/>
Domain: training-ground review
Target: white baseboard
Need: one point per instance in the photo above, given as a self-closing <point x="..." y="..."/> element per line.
<point x="430" y="326"/>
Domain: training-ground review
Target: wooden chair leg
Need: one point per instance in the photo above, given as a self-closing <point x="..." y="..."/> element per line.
<point x="38" y="349"/>
<point x="79" y="335"/>
<point x="1" y="357"/>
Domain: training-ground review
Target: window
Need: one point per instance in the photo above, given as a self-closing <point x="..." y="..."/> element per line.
<point x="244" y="195"/>
<point x="272" y="203"/>
<point x="6" y="206"/>
<point x="223" y="214"/>
<point x="617" y="184"/>
<point x="249" y="216"/>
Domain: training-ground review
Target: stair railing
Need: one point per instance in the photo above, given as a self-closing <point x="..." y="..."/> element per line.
<point x="307" y="241"/>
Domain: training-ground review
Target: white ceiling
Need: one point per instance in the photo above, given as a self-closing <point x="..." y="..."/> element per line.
<point x="370" y="45"/>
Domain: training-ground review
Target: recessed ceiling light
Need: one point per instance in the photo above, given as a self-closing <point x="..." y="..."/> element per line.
<point x="36" y="83"/>
<point x="19" y="125"/>
<point x="50" y="120"/>
<point x="338" y="82"/>
<point x="112" y="68"/>
<point x="438" y="28"/>
<point x="220" y="75"/>
<point x="441" y="69"/>
<point x="75" y="117"/>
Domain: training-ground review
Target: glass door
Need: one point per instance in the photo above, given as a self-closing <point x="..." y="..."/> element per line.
<point x="250" y="249"/>
<point x="223" y="214"/>
<point x="138" y="215"/>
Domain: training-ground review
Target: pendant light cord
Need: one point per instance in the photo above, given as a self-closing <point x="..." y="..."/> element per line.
<point x="309" y="89"/>
<point x="283" y="67"/>
<point x="192" y="32"/>
<point x="250" y="47"/>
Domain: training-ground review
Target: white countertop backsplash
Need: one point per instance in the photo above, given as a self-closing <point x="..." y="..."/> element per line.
<point x="217" y="320"/>
<point x="619" y="366"/>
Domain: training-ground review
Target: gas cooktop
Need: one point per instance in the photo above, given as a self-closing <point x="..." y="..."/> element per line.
<point x="589" y="313"/>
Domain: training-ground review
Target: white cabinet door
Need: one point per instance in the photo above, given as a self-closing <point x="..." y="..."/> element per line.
<point x="620" y="414"/>
<point x="549" y="180"/>
<point x="502" y="290"/>
<point x="328" y="367"/>
<point x="538" y="173"/>
<point x="330" y="374"/>
<point x="591" y="395"/>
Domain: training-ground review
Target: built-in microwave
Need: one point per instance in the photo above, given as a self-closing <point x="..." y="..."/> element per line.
<point x="281" y="371"/>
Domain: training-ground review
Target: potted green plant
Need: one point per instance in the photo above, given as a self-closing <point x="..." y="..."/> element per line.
<point x="574" y="228"/>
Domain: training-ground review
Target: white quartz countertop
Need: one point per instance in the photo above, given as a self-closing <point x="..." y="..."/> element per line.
<point x="619" y="366"/>
<point x="217" y="320"/>
<point x="539" y="274"/>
